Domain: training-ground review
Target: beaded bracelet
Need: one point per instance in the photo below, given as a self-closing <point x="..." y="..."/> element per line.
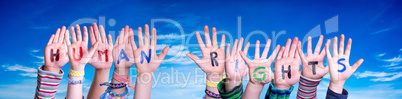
<point x="75" y="81"/>
<point x="212" y="94"/>
<point x="75" y="73"/>
<point x="103" y="96"/>
<point x="113" y="85"/>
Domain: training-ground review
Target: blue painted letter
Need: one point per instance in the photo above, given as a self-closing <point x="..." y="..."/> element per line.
<point x="344" y="67"/>
<point x="143" y="55"/>
<point x="122" y="55"/>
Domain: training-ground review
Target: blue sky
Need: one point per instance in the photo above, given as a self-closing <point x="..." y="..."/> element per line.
<point x="373" y="25"/>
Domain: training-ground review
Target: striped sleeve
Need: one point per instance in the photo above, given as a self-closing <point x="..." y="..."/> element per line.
<point x="47" y="84"/>
<point x="236" y="93"/>
<point x="275" y="93"/>
<point x="307" y="88"/>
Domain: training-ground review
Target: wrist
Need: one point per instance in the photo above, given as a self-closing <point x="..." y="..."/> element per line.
<point x="336" y="86"/>
<point x="122" y="71"/>
<point x="77" y="67"/>
<point x="214" y="77"/>
<point x="51" y="69"/>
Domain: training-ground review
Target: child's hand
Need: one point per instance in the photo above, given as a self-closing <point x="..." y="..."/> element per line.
<point x="312" y="65"/>
<point x="102" y="58"/>
<point x="78" y="51"/>
<point x="260" y="68"/>
<point x="339" y="67"/>
<point x="235" y="68"/>
<point x="146" y="60"/>
<point x="287" y="66"/>
<point x="213" y="58"/>
<point x="55" y="52"/>
<point x="123" y="56"/>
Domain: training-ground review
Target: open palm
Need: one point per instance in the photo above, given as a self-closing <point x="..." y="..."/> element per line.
<point x="316" y="58"/>
<point x="56" y="44"/>
<point x="290" y="61"/>
<point x="236" y="68"/>
<point x="102" y="57"/>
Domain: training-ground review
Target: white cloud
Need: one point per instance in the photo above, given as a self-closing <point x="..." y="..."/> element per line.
<point x="18" y="67"/>
<point x="391" y="63"/>
<point x="36" y="50"/>
<point x="382" y="54"/>
<point x="29" y="74"/>
<point x="378" y="76"/>
<point x="171" y="36"/>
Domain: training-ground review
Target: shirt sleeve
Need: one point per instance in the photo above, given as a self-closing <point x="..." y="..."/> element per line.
<point x="236" y="93"/>
<point x="333" y="95"/>
<point x="275" y="93"/>
<point x="307" y="88"/>
<point x="47" y="84"/>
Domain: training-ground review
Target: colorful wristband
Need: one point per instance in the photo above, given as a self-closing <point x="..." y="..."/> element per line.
<point x="111" y="95"/>
<point x="47" y="84"/>
<point x="275" y="93"/>
<point x="75" y="73"/>
<point x="114" y="85"/>
<point x="214" y="84"/>
<point x="212" y="94"/>
<point x="307" y="88"/>
<point x="236" y="93"/>
<point x="75" y="81"/>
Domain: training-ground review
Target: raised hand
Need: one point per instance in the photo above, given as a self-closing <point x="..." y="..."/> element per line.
<point x="78" y="51"/>
<point x="260" y="68"/>
<point x="55" y="52"/>
<point x="122" y="52"/>
<point x="339" y="67"/>
<point x="213" y="58"/>
<point x="146" y="60"/>
<point x="235" y="68"/>
<point x="102" y="58"/>
<point x="312" y="65"/>
<point x="287" y="66"/>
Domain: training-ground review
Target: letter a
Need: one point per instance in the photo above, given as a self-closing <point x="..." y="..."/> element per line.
<point x="122" y="55"/>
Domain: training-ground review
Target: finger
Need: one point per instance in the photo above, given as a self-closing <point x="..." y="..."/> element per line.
<point x="66" y="38"/>
<point x="73" y="37"/>
<point x="323" y="53"/>
<point x="146" y="36"/>
<point x="193" y="57"/>
<point x="121" y="39"/>
<point x="79" y="36"/>
<point x="257" y="50"/>
<point x="357" y="64"/>
<point x="287" y="47"/>
<point x="133" y="45"/>
<point x="293" y="48"/>
<point x="341" y="45"/>
<point x="248" y="61"/>
<point x="126" y="32"/>
<point x="266" y="49"/>
<point x="93" y="49"/>
<point x="96" y="30"/>
<point x="103" y="34"/>
<point x="140" y="40"/>
<point x="335" y="47"/>
<point x="56" y="37"/>
<point x="199" y="39"/>
<point x="61" y="35"/>
<point x="327" y="49"/>
<point x="85" y="38"/>
<point x="348" y="47"/>
<point x="117" y="41"/>
<point x="245" y="50"/>
<point x="153" y="40"/>
<point x="163" y="53"/>
<point x="309" y="46"/>
<point x="223" y="42"/>
<point x="207" y="38"/>
<point x="51" y="39"/>
<point x="92" y="36"/>
<point x="297" y="56"/>
<point x="214" y="37"/>
<point x="274" y="53"/>
<point x="110" y="39"/>
<point x="301" y="54"/>
<point x="234" y="48"/>
<point x="280" y="54"/>
<point x="228" y="51"/>
<point x="319" y="44"/>
<point x="239" y="46"/>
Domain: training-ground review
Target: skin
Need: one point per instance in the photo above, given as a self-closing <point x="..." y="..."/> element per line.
<point x="338" y="79"/>
<point x="254" y="87"/>
<point x="102" y="67"/>
<point x="123" y="67"/>
<point x="56" y="42"/>
<point x="74" y="91"/>
<point x="234" y="77"/>
<point x="145" y="71"/>
<point x="316" y="56"/>
<point x="214" y="73"/>
<point x="287" y="57"/>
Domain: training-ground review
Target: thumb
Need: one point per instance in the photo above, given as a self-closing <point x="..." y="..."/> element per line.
<point x="195" y="58"/>
<point x="248" y="61"/>
<point x="163" y="53"/>
<point x="93" y="49"/>
<point x="357" y="64"/>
